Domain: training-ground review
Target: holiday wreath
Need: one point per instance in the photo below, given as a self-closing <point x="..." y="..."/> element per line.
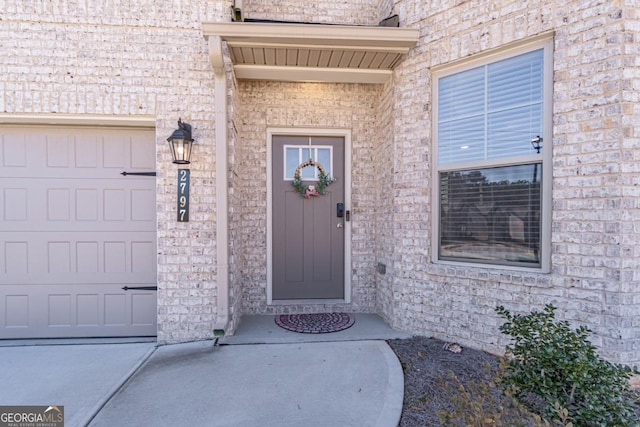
<point x="324" y="180"/>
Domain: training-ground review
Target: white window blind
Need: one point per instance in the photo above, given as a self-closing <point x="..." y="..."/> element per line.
<point x="491" y="215"/>
<point x="492" y="111"/>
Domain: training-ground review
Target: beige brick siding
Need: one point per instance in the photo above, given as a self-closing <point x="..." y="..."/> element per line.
<point x="117" y="57"/>
<point x="384" y="165"/>
<point x="307" y="105"/>
<point x="349" y="12"/>
<point x="594" y="277"/>
<point x="385" y="8"/>
<point x="149" y="58"/>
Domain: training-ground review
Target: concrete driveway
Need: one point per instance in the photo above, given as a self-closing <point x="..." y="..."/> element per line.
<point x="80" y="377"/>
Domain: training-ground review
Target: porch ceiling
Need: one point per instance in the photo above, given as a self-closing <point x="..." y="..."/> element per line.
<point x="313" y="52"/>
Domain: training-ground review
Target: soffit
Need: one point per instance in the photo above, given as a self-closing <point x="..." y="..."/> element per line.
<point x="313" y="52"/>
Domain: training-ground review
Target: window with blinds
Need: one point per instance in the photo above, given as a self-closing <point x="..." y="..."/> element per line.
<point x="491" y="111"/>
<point x="491" y="215"/>
<point x="490" y="191"/>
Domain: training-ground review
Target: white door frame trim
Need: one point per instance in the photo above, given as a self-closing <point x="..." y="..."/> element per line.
<point x="340" y="132"/>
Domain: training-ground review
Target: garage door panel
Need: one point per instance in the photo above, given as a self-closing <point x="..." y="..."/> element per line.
<point x="87" y="206"/>
<point x="115" y="309"/>
<point x="113" y="154"/>
<point x="70" y="311"/>
<point x="58" y="258"/>
<point x="143" y="205"/>
<point x="86" y="153"/>
<point x="75" y="232"/>
<point x="40" y="202"/>
<point x="87" y="279"/>
<point x="16" y="311"/>
<point x="114" y="201"/>
<point x="67" y="256"/>
<point x="59" y="309"/>
<point x="86" y="173"/>
<point x="143" y="309"/>
<point x="15" y="204"/>
<point x="143" y="259"/>
<point x="87" y="257"/>
<point x="115" y="257"/>
<point x="83" y="154"/>
<point x="41" y="217"/>
<point x="143" y="156"/>
<point x="15" y="257"/>
<point x="87" y="309"/>
<point x="14" y="149"/>
<point x="58" y="150"/>
<point x="58" y="204"/>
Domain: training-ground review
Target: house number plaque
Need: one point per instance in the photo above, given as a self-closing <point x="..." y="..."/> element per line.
<point x="184" y="176"/>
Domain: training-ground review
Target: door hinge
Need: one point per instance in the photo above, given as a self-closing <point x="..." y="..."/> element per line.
<point x="138" y="173"/>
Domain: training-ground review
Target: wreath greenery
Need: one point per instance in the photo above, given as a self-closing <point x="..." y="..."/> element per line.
<point x="324" y="180"/>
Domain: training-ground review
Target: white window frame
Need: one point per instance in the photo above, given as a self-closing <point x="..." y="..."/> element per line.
<point x="544" y="42"/>
<point x="303" y="149"/>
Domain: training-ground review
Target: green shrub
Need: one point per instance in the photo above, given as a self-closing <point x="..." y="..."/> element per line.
<point x="560" y="365"/>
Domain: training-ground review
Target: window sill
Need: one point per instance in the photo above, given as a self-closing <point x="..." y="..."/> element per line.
<point x="487" y="266"/>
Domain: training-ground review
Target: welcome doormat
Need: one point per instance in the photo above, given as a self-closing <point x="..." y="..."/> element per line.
<point x="315" y="323"/>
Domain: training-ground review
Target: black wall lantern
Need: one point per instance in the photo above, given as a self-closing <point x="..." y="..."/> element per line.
<point x="181" y="142"/>
<point x="536" y="143"/>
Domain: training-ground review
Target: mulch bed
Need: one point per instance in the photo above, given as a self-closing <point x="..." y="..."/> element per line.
<point x="427" y="367"/>
<point x="428" y="385"/>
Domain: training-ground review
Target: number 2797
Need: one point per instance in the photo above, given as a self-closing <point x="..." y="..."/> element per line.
<point x="183" y="195"/>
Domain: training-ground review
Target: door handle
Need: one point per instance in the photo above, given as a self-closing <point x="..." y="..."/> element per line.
<point x="340" y="210"/>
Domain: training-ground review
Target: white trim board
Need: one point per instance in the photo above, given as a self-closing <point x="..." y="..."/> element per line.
<point x="78" y="120"/>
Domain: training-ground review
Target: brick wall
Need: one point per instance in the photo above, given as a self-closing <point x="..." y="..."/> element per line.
<point x="115" y="57"/>
<point x="383" y="163"/>
<point x="594" y="279"/>
<point x="307" y="105"/>
<point x="385" y="8"/>
<point x="350" y="12"/>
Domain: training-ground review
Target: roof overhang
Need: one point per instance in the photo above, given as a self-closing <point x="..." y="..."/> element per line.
<point x="313" y="52"/>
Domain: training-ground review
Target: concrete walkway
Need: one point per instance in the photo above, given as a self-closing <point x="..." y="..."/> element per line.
<point x="356" y="383"/>
<point x="263" y="376"/>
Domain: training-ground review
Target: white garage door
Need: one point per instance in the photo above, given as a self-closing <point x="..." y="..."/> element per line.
<point x="74" y="232"/>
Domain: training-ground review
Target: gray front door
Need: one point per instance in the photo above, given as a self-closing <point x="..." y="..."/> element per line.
<point x="308" y="233"/>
